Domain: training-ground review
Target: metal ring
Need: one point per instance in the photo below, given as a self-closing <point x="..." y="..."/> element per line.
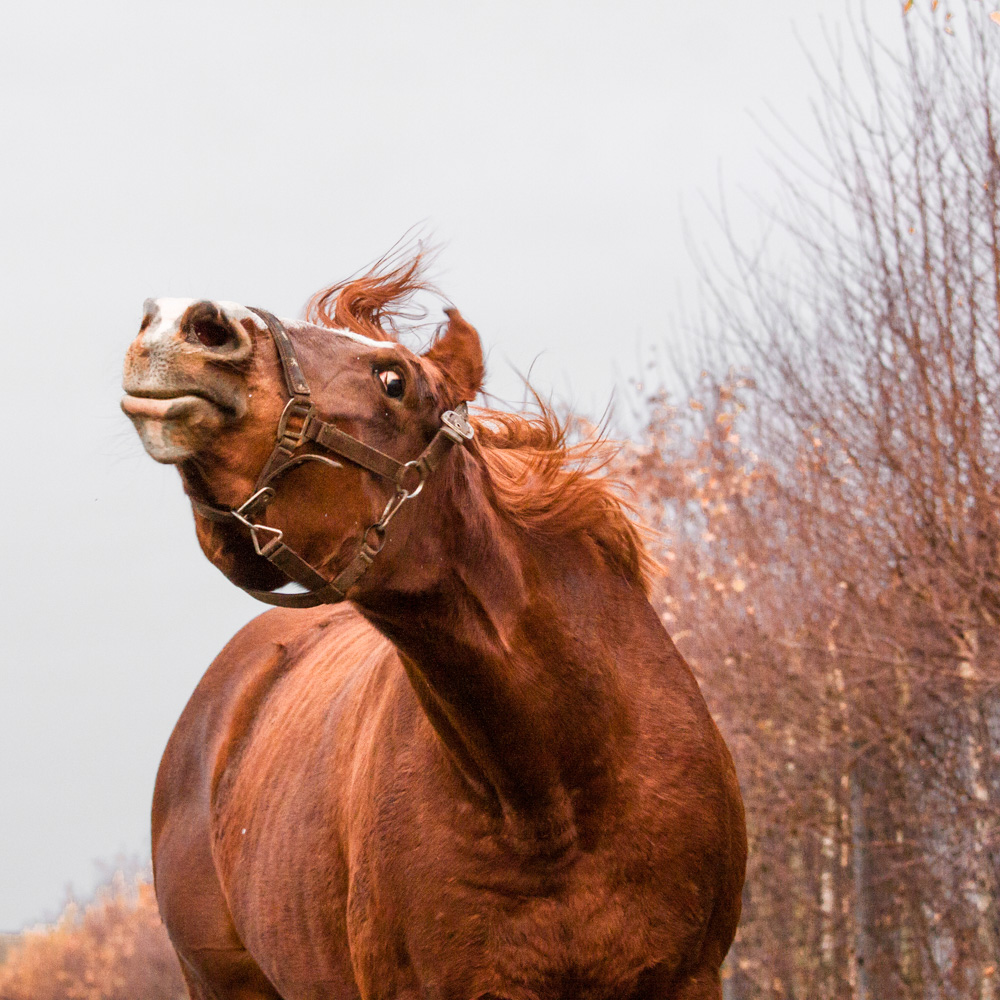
<point x="421" y="476"/>
<point x="277" y="532"/>
<point x="379" y="533"/>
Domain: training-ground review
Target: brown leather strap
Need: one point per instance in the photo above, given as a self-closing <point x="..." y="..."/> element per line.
<point x="294" y="379"/>
<point x="343" y="444"/>
<point x="321" y="592"/>
<point x="220" y="514"/>
<point x="313" y="599"/>
<point x="330" y="593"/>
<point x="296" y="568"/>
<point x="293" y="565"/>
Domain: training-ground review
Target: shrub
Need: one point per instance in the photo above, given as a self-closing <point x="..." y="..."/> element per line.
<point x="115" y="948"/>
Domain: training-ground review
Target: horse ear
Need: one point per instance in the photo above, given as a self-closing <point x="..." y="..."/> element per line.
<point x="458" y="356"/>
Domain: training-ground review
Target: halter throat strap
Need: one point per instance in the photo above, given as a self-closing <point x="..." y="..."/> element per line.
<point x="298" y="424"/>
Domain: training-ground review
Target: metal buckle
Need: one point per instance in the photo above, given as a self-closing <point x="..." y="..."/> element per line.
<point x="294" y="407"/>
<point x="455" y="425"/>
<point x="259" y="500"/>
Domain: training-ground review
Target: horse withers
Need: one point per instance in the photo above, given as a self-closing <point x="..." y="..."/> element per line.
<point x="468" y="761"/>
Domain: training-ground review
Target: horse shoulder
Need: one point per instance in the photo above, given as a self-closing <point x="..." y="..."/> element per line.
<point x="213" y="729"/>
<point x="205" y="746"/>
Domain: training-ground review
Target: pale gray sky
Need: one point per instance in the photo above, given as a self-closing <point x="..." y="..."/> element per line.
<point x="255" y="152"/>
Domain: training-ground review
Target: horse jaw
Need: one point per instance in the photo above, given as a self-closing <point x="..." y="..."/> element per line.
<point x="173" y="429"/>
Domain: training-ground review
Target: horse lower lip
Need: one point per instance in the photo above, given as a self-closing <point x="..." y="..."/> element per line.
<point x="162" y="409"/>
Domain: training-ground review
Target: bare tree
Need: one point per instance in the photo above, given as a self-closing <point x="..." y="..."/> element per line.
<point x="838" y="587"/>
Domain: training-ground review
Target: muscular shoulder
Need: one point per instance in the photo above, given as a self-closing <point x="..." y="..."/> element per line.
<point x="230" y="695"/>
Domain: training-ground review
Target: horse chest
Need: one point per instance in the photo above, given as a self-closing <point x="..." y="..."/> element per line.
<point x="361" y="859"/>
<point x="463" y="919"/>
<point x="430" y="906"/>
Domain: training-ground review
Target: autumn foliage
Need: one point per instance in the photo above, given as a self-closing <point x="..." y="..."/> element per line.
<point x="831" y="532"/>
<point x="859" y="722"/>
<point x="115" y="948"/>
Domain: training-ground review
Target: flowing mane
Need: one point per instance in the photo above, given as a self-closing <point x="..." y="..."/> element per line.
<point x="373" y="304"/>
<point x="541" y="480"/>
<point x="548" y="485"/>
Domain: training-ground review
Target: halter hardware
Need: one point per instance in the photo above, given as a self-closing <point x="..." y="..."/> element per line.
<point x="294" y="408"/>
<point x="261" y="499"/>
<point x="298" y="424"/>
<point x="455" y="424"/>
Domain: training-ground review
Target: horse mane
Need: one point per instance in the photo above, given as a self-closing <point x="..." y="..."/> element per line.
<point x="548" y="484"/>
<point x="374" y="303"/>
<point x="542" y="481"/>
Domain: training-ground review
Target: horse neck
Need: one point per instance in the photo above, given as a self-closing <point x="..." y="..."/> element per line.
<point x="514" y="645"/>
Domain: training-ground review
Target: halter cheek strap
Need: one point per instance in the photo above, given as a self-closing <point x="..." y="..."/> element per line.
<point x="299" y="424"/>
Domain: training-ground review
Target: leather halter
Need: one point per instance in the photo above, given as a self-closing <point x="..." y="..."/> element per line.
<point x="297" y="425"/>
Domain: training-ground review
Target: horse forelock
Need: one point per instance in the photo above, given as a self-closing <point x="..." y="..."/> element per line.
<point x="374" y="304"/>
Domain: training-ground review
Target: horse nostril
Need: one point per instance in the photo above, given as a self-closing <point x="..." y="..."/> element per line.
<point x="211" y="334"/>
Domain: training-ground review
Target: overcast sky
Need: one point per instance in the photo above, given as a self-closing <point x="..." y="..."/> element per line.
<point x="255" y="152"/>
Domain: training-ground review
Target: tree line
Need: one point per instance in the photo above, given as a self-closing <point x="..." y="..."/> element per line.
<point x="830" y="518"/>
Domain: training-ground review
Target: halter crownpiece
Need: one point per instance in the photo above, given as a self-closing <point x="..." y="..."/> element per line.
<point x="297" y="425"/>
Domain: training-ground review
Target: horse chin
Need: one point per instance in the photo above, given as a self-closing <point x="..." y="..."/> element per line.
<point x="175" y="429"/>
<point x="237" y="561"/>
<point x="256" y="574"/>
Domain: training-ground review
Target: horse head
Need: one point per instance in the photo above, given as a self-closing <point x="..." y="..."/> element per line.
<point x="211" y="388"/>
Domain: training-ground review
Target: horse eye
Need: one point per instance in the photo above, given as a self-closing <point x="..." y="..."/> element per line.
<point x="392" y="382"/>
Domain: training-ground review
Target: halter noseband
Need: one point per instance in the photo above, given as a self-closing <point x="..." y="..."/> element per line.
<point x="297" y="425"/>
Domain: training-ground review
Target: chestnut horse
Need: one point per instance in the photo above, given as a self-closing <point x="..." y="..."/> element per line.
<point x="488" y="772"/>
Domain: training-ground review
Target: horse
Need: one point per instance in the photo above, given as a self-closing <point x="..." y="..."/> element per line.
<point x="467" y="761"/>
